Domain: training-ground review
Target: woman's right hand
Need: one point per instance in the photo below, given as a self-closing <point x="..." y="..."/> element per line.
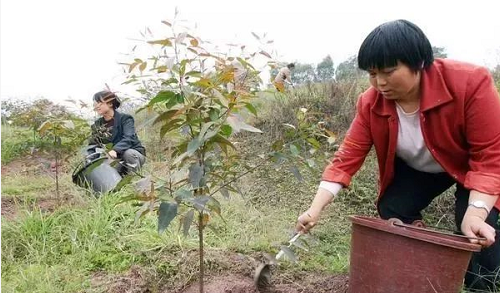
<point x="307" y="220"/>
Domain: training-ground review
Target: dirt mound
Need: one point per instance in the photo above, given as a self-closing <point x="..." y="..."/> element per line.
<point x="131" y="282"/>
<point x="225" y="284"/>
<point x="236" y="278"/>
<point x="242" y="284"/>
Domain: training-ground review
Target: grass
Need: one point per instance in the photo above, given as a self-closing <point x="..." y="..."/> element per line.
<point x="64" y="251"/>
<point x="16" y="141"/>
<point x="26" y="186"/>
<point x="59" y="252"/>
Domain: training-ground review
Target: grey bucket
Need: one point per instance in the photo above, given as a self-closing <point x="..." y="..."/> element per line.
<point x="98" y="175"/>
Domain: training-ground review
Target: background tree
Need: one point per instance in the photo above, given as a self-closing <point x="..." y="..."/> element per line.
<point x="303" y="73"/>
<point x="325" y="70"/>
<point x="439" y="52"/>
<point x="348" y="70"/>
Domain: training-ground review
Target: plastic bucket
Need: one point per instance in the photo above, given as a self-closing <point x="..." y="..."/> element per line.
<point x="97" y="175"/>
<point x="386" y="258"/>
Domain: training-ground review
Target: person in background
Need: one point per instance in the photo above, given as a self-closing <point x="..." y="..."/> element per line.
<point x="240" y="75"/>
<point x="434" y="123"/>
<point x="284" y="76"/>
<point x="119" y="130"/>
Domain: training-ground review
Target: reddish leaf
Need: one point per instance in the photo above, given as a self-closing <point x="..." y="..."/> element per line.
<point x="266" y="54"/>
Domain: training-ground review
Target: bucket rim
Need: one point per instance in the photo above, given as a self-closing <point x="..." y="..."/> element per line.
<point x="431" y="236"/>
<point x="82" y="167"/>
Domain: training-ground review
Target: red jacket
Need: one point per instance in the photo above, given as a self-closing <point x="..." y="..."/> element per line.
<point x="460" y="122"/>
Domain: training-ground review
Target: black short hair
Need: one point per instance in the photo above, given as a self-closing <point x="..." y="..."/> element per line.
<point x="392" y="41"/>
<point x="291" y="65"/>
<point x="107" y="97"/>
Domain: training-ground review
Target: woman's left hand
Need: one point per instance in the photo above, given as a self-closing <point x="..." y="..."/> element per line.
<point x="474" y="226"/>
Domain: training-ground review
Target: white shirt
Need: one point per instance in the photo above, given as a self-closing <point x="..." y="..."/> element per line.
<point x="410" y="147"/>
<point x="284" y="74"/>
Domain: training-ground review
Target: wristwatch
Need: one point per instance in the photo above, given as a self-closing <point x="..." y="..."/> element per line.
<point x="480" y="205"/>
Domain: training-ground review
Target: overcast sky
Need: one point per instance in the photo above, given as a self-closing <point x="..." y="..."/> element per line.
<point x="61" y="49"/>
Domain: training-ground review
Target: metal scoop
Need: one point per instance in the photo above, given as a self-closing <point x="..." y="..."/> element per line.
<point x="262" y="277"/>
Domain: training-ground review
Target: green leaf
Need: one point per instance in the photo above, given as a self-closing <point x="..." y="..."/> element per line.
<point x="200" y="202"/>
<point x="186" y="223"/>
<point x="214" y="206"/>
<point x="170" y="81"/>
<point x="165" y="116"/>
<point x="314" y="142"/>
<point x="224" y="192"/>
<point x="236" y="122"/>
<point x="222" y="99"/>
<point x="204" y="83"/>
<point x="295" y="150"/>
<point x="277" y="145"/>
<point x="226" y="130"/>
<point x="195" y="175"/>
<point x="183" y="195"/>
<point x="169" y="126"/>
<point x="130" y="81"/>
<point x="193" y="146"/>
<point x="125" y="181"/>
<point x="311" y="163"/>
<point x="162" y="96"/>
<point x="193" y="73"/>
<point x="211" y="134"/>
<point x="251" y="108"/>
<point x="296" y="173"/>
<point x="164" y="43"/>
<point x="143" y="65"/>
<point x="94" y="165"/>
<point x="161" y="69"/>
<point x="148" y="107"/>
<point x="183" y="64"/>
<point x="132" y="66"/>
<point x="143" y="185"/>
<point x="204" y="128"/>
<point x="142" y="211"/>
<point x="244" y="62"/>
<point x="166" y="214"/>
<point x="44" y="127"/>
<point x="214" y="114"/>
<point x="223" y="142"/>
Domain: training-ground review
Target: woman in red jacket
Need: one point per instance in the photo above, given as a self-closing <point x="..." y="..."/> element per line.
<point x="434" y="124"/>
